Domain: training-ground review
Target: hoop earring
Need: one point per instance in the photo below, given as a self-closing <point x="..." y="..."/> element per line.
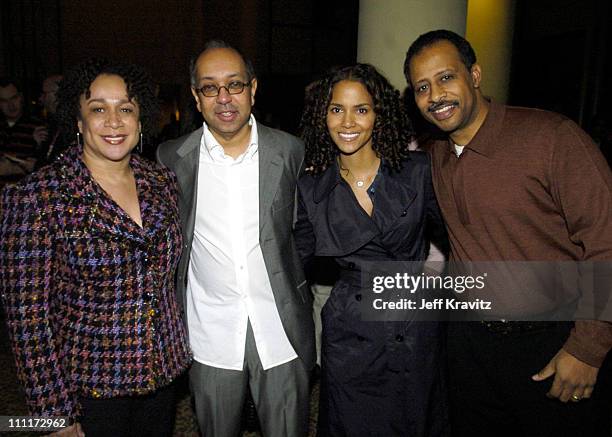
<point x="140" y="144"/>
<point x="78" y="139"/>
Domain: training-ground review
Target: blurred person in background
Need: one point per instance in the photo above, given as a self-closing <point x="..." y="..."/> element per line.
<point x="56" y="139"/>
<point x="21" y="135"/>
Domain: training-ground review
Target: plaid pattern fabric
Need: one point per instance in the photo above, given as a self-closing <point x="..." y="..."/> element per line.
<point x="89" y="295"/>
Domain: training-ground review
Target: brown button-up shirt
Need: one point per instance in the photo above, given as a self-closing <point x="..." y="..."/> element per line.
<point x="530" y="186"/>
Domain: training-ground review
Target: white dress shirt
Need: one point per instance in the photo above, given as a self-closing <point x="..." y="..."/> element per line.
<point x="228" y="284"/>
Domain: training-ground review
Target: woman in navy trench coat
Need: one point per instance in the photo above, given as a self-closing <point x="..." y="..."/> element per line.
<point x="364" y="198"/>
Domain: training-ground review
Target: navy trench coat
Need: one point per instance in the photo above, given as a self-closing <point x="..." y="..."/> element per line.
<point x="378" y="378"/>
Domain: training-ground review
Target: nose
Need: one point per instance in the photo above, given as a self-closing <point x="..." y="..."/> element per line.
<point x="438" y="93"/>
<point x="347" y="119"/>
<point x="114" y="119"/>
<point x="224" y="96"/>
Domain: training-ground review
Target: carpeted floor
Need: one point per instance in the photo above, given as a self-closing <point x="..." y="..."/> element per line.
<point x="12" y="400"/>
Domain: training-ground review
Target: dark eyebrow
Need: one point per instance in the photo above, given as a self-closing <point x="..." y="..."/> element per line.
<point x="447" y="71"/>
<point x="105" y="100"/>
<point x="438" y="74"/>
<point x="359" y="105"/>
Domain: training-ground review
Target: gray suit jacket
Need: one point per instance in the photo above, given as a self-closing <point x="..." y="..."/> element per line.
<point x="280" y="160"/>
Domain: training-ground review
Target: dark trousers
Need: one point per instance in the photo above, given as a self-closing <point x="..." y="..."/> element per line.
<point x="131" y="416"/>
<point x="492" y="393"/>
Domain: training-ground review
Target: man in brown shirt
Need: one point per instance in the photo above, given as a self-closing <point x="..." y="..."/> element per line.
<point x="515" y="184"/>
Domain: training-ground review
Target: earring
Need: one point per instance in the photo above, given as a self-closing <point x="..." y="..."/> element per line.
<point x="140" y="144"/>
<point x="78" y="139"/>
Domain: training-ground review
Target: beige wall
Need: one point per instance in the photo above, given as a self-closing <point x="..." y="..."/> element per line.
<point x="490" y="28"/>
<point x="388" y="27"/>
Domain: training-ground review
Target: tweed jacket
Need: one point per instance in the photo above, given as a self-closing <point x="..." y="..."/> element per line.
<point x="89" y="295"/>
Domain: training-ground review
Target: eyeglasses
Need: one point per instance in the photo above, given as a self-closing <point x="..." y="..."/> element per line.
<point x="235" y="87"/>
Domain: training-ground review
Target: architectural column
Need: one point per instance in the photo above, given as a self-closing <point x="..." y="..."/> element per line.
<point x="490" y="30"/>
<point x="387" y="28"/>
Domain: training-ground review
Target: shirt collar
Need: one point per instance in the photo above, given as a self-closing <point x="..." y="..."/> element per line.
<point x="210" y="145"/>
<point x="486" y="141"/>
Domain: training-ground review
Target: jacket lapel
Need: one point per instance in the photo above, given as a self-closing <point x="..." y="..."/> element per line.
<point x="186" y="169"/>
<point x="187" y="161"/>
<point x="391" y="208"/>
<point x="270" y="172"/>
<point x="91" y="203"/>
<point x="153" y="192"/>
<point x="348" y="226"/>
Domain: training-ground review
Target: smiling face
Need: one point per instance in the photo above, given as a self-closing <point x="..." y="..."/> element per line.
<point x="446" y="92"/>
<point x="351" y="117"/>
<point x="226" y="115"/>
<point x="109" y="120"/>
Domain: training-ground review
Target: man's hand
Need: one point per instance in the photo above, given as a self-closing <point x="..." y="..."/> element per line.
<point x="40" y="134"/>
<point x="73" y="430"/>
<point x="574" y="379"/>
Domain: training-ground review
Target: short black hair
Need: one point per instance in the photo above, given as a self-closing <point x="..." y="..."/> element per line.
<point x="77" y="81"/>
<point x="219" y="44"/>
<point x="466" y="52"/>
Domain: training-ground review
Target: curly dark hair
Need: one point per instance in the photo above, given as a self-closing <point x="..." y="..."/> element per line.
<point x="392" y="128"/>
<point x="466" y="52"/>
<point x="77" y="81"/>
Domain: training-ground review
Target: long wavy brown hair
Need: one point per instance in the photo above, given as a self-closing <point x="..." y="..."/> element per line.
<point x="392" y="128"/>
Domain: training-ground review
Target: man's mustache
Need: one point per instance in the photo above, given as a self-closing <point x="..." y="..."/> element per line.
<point x="437" y="105"/>
<point x="225" y="108"/>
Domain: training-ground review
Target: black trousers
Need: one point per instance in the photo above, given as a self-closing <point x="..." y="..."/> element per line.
<point x="131" y="416"/>
<point x="492" y="393"/>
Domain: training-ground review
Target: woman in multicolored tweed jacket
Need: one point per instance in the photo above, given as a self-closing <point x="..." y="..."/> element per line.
<point x="89" y="247"/>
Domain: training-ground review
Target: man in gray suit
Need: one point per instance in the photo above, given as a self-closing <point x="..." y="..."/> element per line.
<point x="248" y="307"/>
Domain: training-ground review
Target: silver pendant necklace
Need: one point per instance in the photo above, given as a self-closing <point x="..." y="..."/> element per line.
<point x="359" y="182"/>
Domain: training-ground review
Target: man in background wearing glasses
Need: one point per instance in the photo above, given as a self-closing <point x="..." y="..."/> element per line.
<point x="247" y="304"/>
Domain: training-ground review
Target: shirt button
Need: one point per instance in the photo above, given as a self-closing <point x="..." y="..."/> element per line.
<point x="404" y="213"/>
<point x="351" y="266"/>
<point x="399" y="338"/>
<point x="358" y="297"/>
